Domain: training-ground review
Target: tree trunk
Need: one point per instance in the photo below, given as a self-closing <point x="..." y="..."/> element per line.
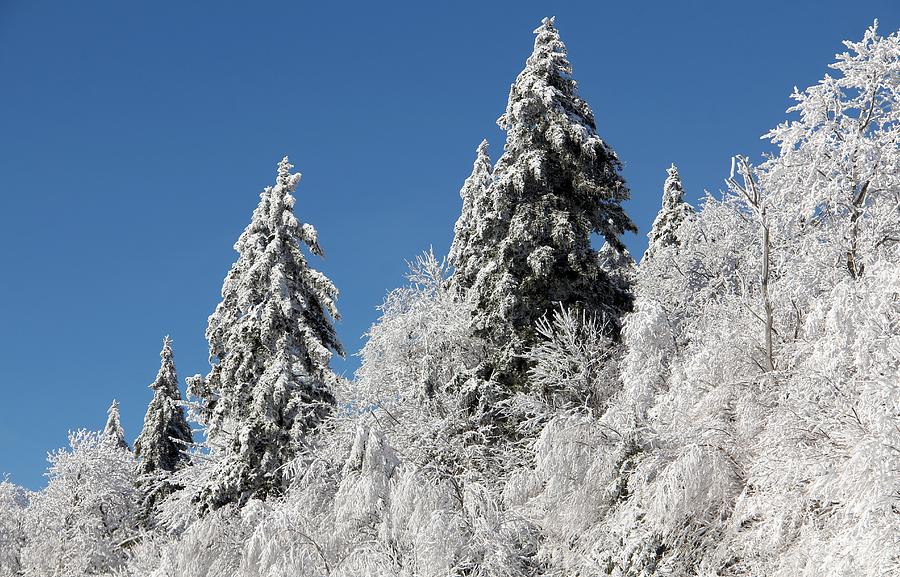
<point x="767" y="301"/>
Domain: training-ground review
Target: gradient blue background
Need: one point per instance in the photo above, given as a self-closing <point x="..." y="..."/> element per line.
<point x="136" y="137"/>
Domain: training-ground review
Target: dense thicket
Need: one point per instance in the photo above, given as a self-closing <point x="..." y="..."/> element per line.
<point x="742" y="419"/>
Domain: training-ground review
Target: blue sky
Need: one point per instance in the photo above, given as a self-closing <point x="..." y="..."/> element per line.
<point x="136" y="137"/>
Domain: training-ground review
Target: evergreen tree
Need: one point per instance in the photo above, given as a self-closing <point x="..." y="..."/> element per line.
<point x="673" y="212"/>
<point x="556" y="183"/>
<point x="271" y="340"/>
<point x="474" y="223"/>
<point x="113" y="431"/>
<point x="161" y="444"/>
<point x="166" y="432"/>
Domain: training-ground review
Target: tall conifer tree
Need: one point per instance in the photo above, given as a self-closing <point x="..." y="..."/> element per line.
<point x="271" y="339"/>
<point x="555" y="185"/>
<point x="166" y="435"/>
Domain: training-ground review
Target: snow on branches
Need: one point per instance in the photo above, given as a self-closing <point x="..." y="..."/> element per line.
<point x="517" y="416"/>
<point x="271" y="339"/>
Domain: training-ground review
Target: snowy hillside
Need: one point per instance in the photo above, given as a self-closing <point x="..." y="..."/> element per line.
<point x="728" y="404"/>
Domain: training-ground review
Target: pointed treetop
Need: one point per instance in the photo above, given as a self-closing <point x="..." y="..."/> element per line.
<point x="113" y="430"/>
<point x="545" y="92"/>
<point x="113" y="414"/>
<point x="474" y="193"/>
<point x="552" y="134"/>
<point x="673" y="189"/>
<point x="285" y="183"/>
<point x="672" y="214"/>
<point x="166" y="353"/>
<point x="284" y="169"/>
<point x="481" y="168"/>
<point x="166" y="378"/>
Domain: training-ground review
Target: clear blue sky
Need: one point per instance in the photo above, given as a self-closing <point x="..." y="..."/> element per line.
<point x="136" y="137"/>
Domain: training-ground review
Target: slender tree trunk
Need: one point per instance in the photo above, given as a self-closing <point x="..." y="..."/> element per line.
<point x="853" y="264"/>
<point x="767" y="301"/>
<point x="753" y="195"/>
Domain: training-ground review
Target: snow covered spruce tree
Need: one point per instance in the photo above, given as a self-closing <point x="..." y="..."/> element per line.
<point x="475" y="222"/>
<point x="113" y="431"/>
<point x="165" y="437"/>
<point x="674" y="211"/>
<point x="556" y="183"/>
<point x="271" y="340"/>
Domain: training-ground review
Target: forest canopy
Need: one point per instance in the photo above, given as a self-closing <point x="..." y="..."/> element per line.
<point x="535" y="404"/>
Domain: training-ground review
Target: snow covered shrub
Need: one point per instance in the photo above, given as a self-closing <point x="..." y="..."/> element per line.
<point x="573" y="362"/>
<point x="409" y="379"/>
<point x="649" y="352"/>
<point x="689" y="378"/>
<point x="211" y="546"/>
<point x="362" y="496"/>
<point x="820" y="488"/>
<point x="450" y="526"/>
<point x="696" y="266"/>
<point x="500" y="543"/>
<point x="83" y="522"/>
<point x="13" y="502"/>
<point x="379" y="515"/>
<point x="143" y="558"/>
<point x="695" y="490"/>
<point x="678" y="501"/>
<point x="578" y="465"/>
<point x="296" y="536"/>
<point x="425" y="526"/>
<point x="420" y="343"/>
